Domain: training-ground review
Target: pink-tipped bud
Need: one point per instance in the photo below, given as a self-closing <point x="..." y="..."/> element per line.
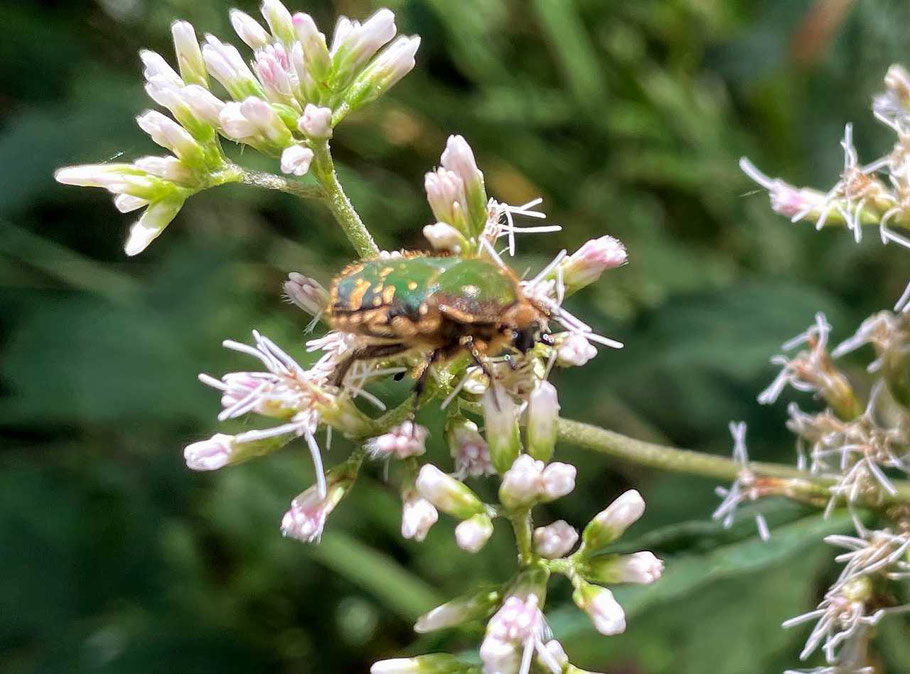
<point x="555" y="540"/>
<point x="641" y="568"/>
<point x="407" y="439"/>
<point x="296" y="160"/>
<point x="307" y="293"/>
<point x="417" y="517"/>
<point x="543" y="417"/>
<point x="267" y="121"/>
<point x="611" y="523"/>
<point x="586" y="265"/>
<point x="603" y="610"/>
<point x="305" y="520"/>
<point x="211" y="454"/>
<point x="521" y="484"/>
<point x="468" y="448"/>
<point x="447" y="493"/>
<point x="557" y="480"/>
<point x="472" y="534"/>
<point x="315" y="51"/>
<point x="316" y="122"/>
<point x="279" y="19"/>
<point x="474" y="606"/>
<point x="574" y="350"/>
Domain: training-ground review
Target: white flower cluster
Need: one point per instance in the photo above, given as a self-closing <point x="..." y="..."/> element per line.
<point x="284" y="103"/>
<point x="874" y="194"/>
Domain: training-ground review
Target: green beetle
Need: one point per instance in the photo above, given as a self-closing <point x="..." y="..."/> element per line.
<point x="441" y="305"/>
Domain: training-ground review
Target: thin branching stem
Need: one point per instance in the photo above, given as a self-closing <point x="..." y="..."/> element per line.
<point x="341" y="207"/>
<point x="271" y="181"/>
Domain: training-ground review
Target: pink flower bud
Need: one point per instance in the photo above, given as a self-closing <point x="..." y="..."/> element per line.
<point x="189" y="55"/>
<point x="153" y="221"/>
<point x="156" y="69"/>
<point x="459" y="158"/>
<point x="308" y="294"/>
<point x="587" y="264"/>
<point x="543" y="416"/>
<point x="316" y="53"/>
<point x="393" y="63"/>
<point x="279" y="19"/>
<point x="202" y="103"/>
<point x="305" y="520"/>
<point x="557" y="480"/>
<point x="249" y="30"/>
<point x="555" y="540"/>
<point x="611" y="523"/>
<point x="447" y="493"/>
<point x="417" y="516"/>
<point x="170" y="135"/>
<point x="474" y="532"/>
<point x="521" y="484"/>
<point x="641" y="567"/>
<point x="169" y="168"/>
<point x="574" y="350"/>
<point x="604" y="611"/>
<point x="296" y="159"/>
<point x="463" y="609"/>
<point x="407" y="439"/>
<point x="468" y="448"/>
<point x="267" y="121"/>
<point x="211" y="454"/>
<point x="316" y="122"/>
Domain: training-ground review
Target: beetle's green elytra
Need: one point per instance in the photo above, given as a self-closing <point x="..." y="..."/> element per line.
<point x="440" y="304"/>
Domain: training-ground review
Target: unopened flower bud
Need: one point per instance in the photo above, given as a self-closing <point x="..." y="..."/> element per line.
<point x="609" y="524"/>
<point x="169" y="168"/>
<point x="354" y="45"/>
<point x="226" y="65"/>
<point x="468" y="448"/>
<point x="267" y="121"/>
<point x="169" y="134"/>
<point x="442" y="236"/>
<point x="434" y="663"/>
<point x="574" y="350"/>
<point x="210" y="454"/>
<point x="474" y="532"/>
<point x="459" y="158"/>
<point x="316" y="53"/>
<point x="279" y="19"/>
<point x="316" y="122"/>
<point x="306" y="518"/>
<point x="447" y="493"/>
<point x="557" y="480"/>
<point x="307" y="293"/>
<point x="402" y="441"/>
<point x="417" y="516"/>
<point x="521" y="484"/>
<point x="202" y="103"/>
<point x="156" y="69"/>
<point x="553" y="656"/>
<point x="249" y="30"/>
<point x="393" y="63"/>
<point x="296" y="159"/>
<point x="603" y="610"/>
<point x="586" y="264"/>
<point x="189" y="55"/>
<point x="500" y="415"/>
<point x="641" y="568"/>
<point x="467" y="608"/>
<point x="149" y="227"/>
<point x="555" y="540"/>
<point x="543" y="416"/>
<point x="446" y="196"/>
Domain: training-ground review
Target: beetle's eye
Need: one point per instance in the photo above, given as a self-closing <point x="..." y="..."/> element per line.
<point x="524" y="340"/>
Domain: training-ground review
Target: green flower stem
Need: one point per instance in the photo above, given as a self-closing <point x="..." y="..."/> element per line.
<point x="324" y="170"/>
<point x="270" y="181"/>
<point x="688" y="461"/>
<point x="521" y="525"/>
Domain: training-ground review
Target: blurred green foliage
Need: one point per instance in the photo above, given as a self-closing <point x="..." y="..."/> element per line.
<point x="628" y="118"/>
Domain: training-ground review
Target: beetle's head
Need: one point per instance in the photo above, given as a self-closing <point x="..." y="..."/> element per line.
<point x="527" y="325"/>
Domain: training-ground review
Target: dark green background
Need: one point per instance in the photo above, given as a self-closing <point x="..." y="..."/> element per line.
<point x="628" y="118"/>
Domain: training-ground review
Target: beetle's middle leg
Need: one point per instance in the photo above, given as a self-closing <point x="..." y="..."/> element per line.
<point x="370" y="352"/>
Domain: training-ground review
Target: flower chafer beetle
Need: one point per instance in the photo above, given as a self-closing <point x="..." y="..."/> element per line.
<point x="440" y="305"/>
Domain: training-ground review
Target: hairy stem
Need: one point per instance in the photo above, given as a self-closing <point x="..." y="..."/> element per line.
<point x="521" y="525"/>
<point x="270" y="181"/>
<point x="340" y="205"/>
<point x="687" y="461"/>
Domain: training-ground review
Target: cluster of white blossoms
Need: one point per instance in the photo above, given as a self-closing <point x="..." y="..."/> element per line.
<point x="284" y="102"/>
<point x="856" y="447"/>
